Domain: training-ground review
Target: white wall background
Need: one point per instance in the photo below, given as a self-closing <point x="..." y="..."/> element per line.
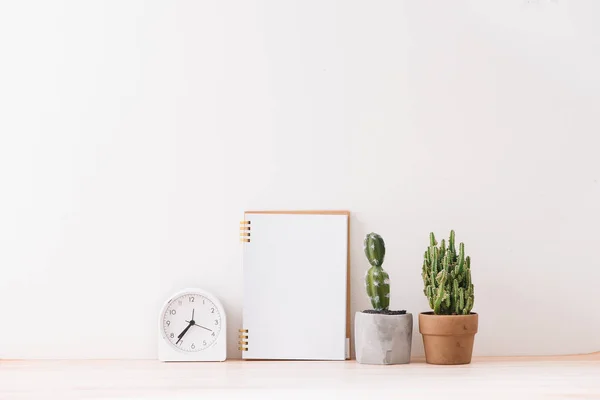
<point x="135" y="133"/>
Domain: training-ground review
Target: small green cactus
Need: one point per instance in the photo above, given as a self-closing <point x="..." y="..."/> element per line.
<point x="447" y="278"/>
<point x="377" y="281"/>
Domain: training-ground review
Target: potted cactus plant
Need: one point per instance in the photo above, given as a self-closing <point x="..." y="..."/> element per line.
<point x="382" y="336"/>
<point x="449" y="330"/>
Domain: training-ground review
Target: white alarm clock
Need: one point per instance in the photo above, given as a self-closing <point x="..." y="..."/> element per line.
<point x="192" y="326"/>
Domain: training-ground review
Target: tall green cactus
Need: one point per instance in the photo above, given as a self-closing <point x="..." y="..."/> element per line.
<point x="377" y="281"/>
<point x="447" y="278"/>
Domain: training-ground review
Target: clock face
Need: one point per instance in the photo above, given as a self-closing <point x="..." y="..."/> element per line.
<point x="191" y="322"/>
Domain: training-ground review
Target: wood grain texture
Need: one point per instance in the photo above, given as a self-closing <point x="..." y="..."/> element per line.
<point x="564" y="377"/>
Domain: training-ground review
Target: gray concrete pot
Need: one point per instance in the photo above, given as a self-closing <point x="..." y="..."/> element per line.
<point x="383" y="339"/>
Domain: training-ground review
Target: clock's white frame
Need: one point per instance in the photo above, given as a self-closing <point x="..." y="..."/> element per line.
<point x="215" y="352"/>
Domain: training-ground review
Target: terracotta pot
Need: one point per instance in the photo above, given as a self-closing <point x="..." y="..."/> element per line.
<point x="448" y="339"/>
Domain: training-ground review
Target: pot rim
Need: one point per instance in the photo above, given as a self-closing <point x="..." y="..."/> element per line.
<point x="448" y="325"/>
<point x="430" y="313"/>
<point x="384" y="315"/>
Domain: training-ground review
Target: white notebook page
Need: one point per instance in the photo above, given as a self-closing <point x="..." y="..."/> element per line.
<point x="295" y="270"/>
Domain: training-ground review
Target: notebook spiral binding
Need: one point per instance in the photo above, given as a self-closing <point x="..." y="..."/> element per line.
<point x="244" y="237"/>
<point x="243" y="342"/>
<point x="245" y="231"/>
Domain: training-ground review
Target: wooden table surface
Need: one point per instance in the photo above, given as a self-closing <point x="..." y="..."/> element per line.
<point x="568" y="377"/>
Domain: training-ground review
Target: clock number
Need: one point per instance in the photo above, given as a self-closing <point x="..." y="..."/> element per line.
<point x="204" y="343"/>
<point x="212" y="310"/>
<point x="172" y="335"/>
<point x="192" y="299"/>
<point x="168" y="323"/>
<point x="216" y="322"/>
<point x="173" y="312"/>
<point x="193" y="346"/>
<point x="212" y="334"/>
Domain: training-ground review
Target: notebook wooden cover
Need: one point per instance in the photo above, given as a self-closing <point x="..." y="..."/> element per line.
<point x="296" y="267"/>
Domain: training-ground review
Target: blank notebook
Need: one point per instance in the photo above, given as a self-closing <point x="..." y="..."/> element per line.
<point x="296" y="291"/>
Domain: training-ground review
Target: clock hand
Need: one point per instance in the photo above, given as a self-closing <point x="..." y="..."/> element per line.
<point x="199" y="326"/>
<point x="193" y="309"/>
<point x="183" y="332"/>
